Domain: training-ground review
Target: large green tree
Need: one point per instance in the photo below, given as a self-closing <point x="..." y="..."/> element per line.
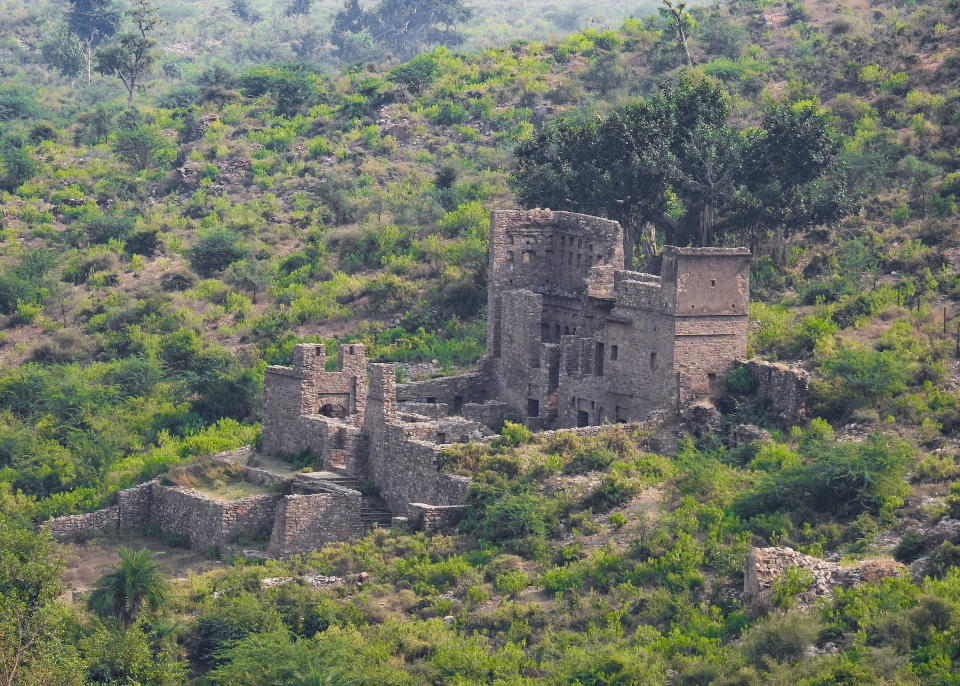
<point x="403" y="28"/>
<point x="93" y="21"/>
<point x="673" y="161"/>
<point x="33" y="644"/>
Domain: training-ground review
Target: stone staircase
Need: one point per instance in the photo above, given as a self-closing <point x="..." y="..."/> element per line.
<point x="373" y="509"/>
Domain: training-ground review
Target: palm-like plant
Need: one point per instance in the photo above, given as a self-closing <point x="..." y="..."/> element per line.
<point x="135" y="582"/>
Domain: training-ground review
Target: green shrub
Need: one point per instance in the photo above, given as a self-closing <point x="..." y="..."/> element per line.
<point x="782" y="638"/>
<point x="795" y="580"/>
<point x="741" y="381"/>
<point x="515" y="517"/>
<point x="216" y="251"/>
<point x="515" y="434"/>
<point x="910" y="547"/>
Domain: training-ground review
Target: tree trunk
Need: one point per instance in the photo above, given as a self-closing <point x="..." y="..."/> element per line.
<point x="88" y="55"/>
<point x="705" y="225"/>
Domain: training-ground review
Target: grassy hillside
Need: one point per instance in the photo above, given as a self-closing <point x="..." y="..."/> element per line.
<point x="155" y="257"/>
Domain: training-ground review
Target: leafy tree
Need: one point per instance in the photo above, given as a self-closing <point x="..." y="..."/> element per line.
<point x="673" y="161"/>
<point x="132" y="56"/>
<point x="93" y="21"/>
<point x="16" y="165"/>
<point x="141" y="146"/>
<point x="683" y="23"/>
<point x="418" y="73"/>
<point x="136" y="582"/>
<point x="129" y="657"/>
<point x="402" y="27"/>
<point x="17" y="102"/>
<point x="32" y="629"/>
<point x="243" y="10"/>
<point x="297" y="8"/>
<point x="216" y="251"/>
<point x="63" y="51"/>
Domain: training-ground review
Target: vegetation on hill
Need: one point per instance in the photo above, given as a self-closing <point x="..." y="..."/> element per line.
<point x="258" y="192"/>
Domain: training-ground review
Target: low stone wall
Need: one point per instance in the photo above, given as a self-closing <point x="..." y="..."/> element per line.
<point x="77" y="526"/>
<point x="308" y="522"/>
<point x="436" y="518"/>
<point x="452" y="391"/>
<point x="765" y="566"/>
<point x="785" y="389"/>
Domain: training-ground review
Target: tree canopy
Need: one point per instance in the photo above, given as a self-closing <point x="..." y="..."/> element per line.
<point x="673" y="161"/>
<point x="403" y="27"/>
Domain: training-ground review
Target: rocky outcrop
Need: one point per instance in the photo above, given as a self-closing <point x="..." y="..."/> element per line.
<point x="766" y="566"/>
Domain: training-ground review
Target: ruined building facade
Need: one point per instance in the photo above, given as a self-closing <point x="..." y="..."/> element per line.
<point x="575" y="340"/>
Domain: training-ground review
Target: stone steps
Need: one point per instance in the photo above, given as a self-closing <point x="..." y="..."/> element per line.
<point x="373" y="509"/>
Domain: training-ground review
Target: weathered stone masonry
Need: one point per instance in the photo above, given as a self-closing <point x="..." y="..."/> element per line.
<point x="573" y="340"/>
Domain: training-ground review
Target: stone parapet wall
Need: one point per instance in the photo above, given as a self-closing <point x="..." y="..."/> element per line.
<point x="766" y="566"/>
<point x="436" y="518"/>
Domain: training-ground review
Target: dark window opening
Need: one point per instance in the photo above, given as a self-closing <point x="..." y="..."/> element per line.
<point x="614" y="352"/>
<point x="713" y="282"/>
<point x="544" y="333"/>
<point x="431" y="399"/>
<point x="318" y="352"/>
<point x="333" y="410"/>
<point x="583" y="419"/>
<point x="566" y="331"/>
<point x="533" y="407"/>
<point x="457" y="403"/>
<point x="711" y="376"/>
<point x="441" y="437"/>
<point x="653" y="360"/>
<point x="600" y="355"/>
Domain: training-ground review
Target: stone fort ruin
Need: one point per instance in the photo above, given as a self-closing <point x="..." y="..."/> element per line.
<point x="573" y="340"/>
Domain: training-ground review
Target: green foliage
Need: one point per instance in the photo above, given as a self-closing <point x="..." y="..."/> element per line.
<point x="136" y="583"/>
<point x="515" y="434"/>
<point x="795" y="580"/>
<point x="216" y="251"/>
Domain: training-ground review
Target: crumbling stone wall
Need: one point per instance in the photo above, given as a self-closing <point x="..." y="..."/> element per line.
<point x="205" y="522"/>
<point x="405" y="469"/>
<point x="307" y="390"/>
<point x="451" y="391"/>
<point x="76" y="526"/>
<point x="784" y="389"/>
<point x="436" y="518"/>
<point x="307" y="522"/>
<point x="765" y="566"/>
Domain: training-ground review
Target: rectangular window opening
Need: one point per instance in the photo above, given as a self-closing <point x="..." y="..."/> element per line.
<point x="533" y="407"/>
<point x="614" y="352"/>
<point x="600" y="356"/>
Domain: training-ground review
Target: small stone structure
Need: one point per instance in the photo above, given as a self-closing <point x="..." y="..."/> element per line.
<point x="765" y="566"/>
<point x="302" y="515"/>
